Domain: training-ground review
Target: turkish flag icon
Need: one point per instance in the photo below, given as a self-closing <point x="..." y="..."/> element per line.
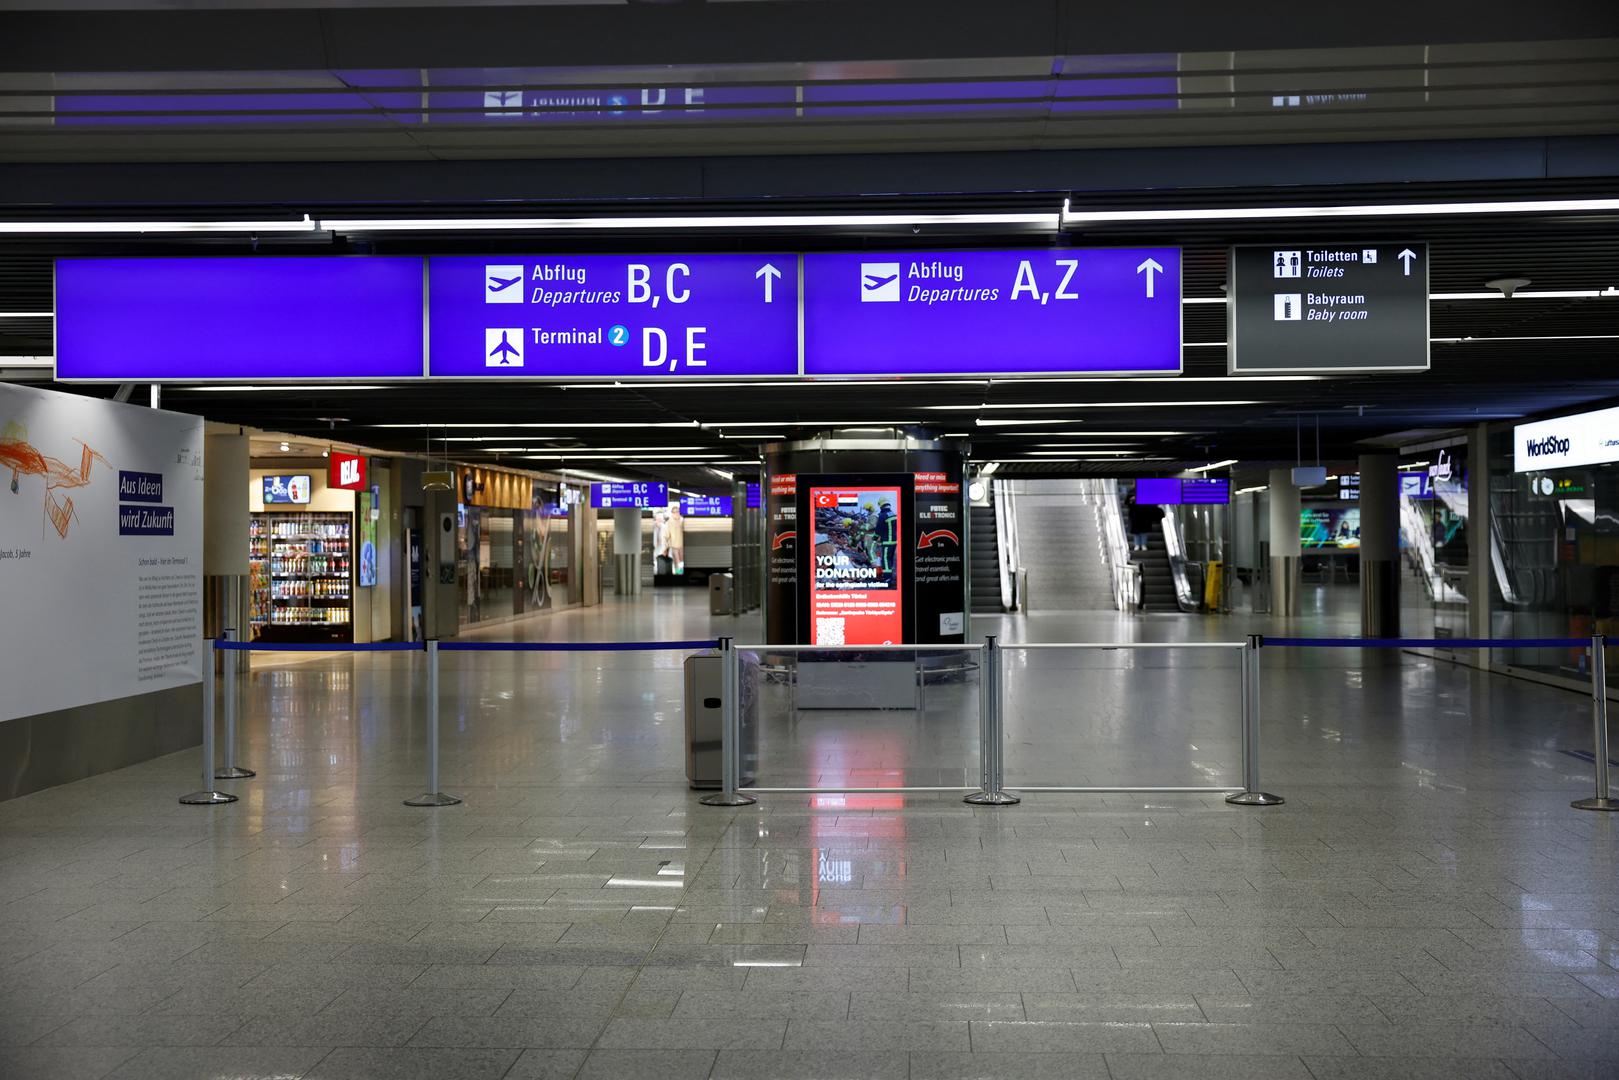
<point x="825" y="498"/>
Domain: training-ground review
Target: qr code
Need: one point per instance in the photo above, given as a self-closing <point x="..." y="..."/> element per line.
<point x="829" y="631"/>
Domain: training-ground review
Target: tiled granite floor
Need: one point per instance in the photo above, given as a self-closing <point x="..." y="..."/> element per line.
<point x="1425" y="904"/>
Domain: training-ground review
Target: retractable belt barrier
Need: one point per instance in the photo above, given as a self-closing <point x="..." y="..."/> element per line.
<point x="210" y="796"/>
<point x="990" y="792"/>
<point x="1596" y="643"/>
<point x="578" y="646"/>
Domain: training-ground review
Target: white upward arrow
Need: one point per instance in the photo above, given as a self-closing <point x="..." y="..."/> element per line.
<point x="770" y="274"/>
<point x="1405" y="257"/>
<point x="1151" y="266"/>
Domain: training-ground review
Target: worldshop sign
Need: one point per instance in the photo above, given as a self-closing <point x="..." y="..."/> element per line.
<point x="1584" y="439"/>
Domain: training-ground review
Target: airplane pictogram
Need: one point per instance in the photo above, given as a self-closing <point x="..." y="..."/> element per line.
<point x="20" y="456"/>
<point x="504" y="351"/>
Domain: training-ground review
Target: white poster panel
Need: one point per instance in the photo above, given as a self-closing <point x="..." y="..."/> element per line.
<point x="1586" y="439"/>
<point x="100" y="550"/>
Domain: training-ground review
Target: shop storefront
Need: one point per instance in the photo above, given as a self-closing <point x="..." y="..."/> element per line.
<point x="1554" y="535"/>
<point x="514" y="545"/>
<point x="321" y="550"/>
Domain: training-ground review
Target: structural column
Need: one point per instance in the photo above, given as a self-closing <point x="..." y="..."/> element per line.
<point x="1284" y="543"/>
<point x="627" y="551"/>
<point x="225" y="549"/>
<point x="1379" y="545"/>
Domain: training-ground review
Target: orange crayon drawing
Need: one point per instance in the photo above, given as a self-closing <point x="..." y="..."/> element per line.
<point x="22" y="459"/>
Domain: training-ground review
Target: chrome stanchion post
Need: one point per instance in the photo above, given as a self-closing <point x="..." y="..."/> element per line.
<point x="992" y="763"/>
<point x="230" y="770"/>
<point x="1251" y="794"/>
<point x="1599" y="723"/>
<point x="207" y="796"/>
<point x="730" y="730"/>
<point x="433" y="796"/>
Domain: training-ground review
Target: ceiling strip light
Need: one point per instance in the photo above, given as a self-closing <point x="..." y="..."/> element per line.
<point x="729" y="221"/>
<point x="1086" y="405"/>
<point x="106" y="228"/>
<point x="1211" y="466"/>
<point x="1072" y="217"/>
<point x="562" y="425"/>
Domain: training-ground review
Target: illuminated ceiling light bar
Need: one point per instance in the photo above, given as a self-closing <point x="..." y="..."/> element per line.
<point x="753" y="435"/>
<point x="1543" y="337"/>
<point x="27" y="315"/>
<point x="1082" y="453"/>
<point x="1543" y="294"/>
<point x="1168" y="378"/>
<point x="1211" y="466"/>
<point x="252" y="388"/>
<point x="1249" y="490"/>
<point x="562" y="425"/>
<point x="1088" y="405"/>
<point x="591" y="476"/>
<point x="1085" y="445"/>
<point x="110" y="228"/>
<point x="721" y="472"/>
<point x="1072" y="218"/>
<point x="571" y="449"/>
<point x="27" y="361"/>
<point x="1067" y="459"/>
<point x="807" y="423"/>
<point x="864" y="382"/>
<point x="1086" y="434"/>
<point x="1047" y="221"/>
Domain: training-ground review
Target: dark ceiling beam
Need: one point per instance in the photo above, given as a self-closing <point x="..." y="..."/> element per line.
<point x="795" y="30"/>
<point x="307" y="185"/>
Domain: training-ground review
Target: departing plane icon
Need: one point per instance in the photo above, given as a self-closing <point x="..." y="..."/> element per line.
<point x="875" y="282"/>
<point x="499" y="284"/>
<point x="505" y="352"/>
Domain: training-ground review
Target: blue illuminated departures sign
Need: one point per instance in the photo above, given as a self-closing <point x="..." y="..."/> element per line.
<point x="618" y="316"/>
<point x="706" y="506"/>
<point x="1037" y="311"/>
<point x="620" y="496"/>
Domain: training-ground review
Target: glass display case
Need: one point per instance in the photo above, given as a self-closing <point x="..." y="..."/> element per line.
<point x="301" y="576"/>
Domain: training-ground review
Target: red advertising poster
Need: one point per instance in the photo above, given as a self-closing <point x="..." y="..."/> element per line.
<point x="859" y="541"/>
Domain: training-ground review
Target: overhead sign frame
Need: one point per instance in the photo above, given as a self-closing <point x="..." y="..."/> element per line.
<point x="1246" y="299"/>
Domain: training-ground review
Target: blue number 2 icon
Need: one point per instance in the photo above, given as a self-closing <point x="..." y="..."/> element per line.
<point x="617" y="335"/>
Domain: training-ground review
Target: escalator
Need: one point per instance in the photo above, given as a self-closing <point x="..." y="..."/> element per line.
<point x="984" y="555"/>
<point x="1157" y="576"/>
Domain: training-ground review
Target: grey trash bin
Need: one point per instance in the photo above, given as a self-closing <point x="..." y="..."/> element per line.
<point x="704" y="718"/>
<point x="719" y="594"/>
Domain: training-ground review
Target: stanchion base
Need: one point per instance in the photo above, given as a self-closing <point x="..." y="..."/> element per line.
<point x="719" y="798"/>
<point x="433" y="798"/>
<point x="992" y="798"/>
<point x="1595" y="804"/>
<point x="206" y="798"/>
<point x="234" y="772"/>
<point x="1254" y="798"/>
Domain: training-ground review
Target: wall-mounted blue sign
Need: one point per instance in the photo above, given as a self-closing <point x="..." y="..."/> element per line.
<point x="1049" y="310"/>
<point x="577" y="316"/>
<point x="215" y="319"/>
<point x="753" y="496"/>
<point x="705" y="506"/>
<point x="620" y="496"/>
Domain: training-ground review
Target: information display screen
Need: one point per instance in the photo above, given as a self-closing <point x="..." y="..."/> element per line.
<point x="856" y="581"/>
<point x="286" y="489"/>
<point x="1205" y="492"/>
<point x="620" y="496"/>
<point x="753" y="496"/>
<point x="1158" y="491"/>
<point x="1329" y="528"/>
<point x="1174" y="491"/>
<point x="220" y="319"/>
<point x="705" y="506"/>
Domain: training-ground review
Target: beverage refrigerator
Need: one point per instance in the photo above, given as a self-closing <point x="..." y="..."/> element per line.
<point x="302" y="576"/>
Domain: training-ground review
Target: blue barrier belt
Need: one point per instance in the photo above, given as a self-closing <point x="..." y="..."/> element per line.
<point x="317" y="646"/>
<point x="1438" y="643"/>
<point x="573" y="646"/>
